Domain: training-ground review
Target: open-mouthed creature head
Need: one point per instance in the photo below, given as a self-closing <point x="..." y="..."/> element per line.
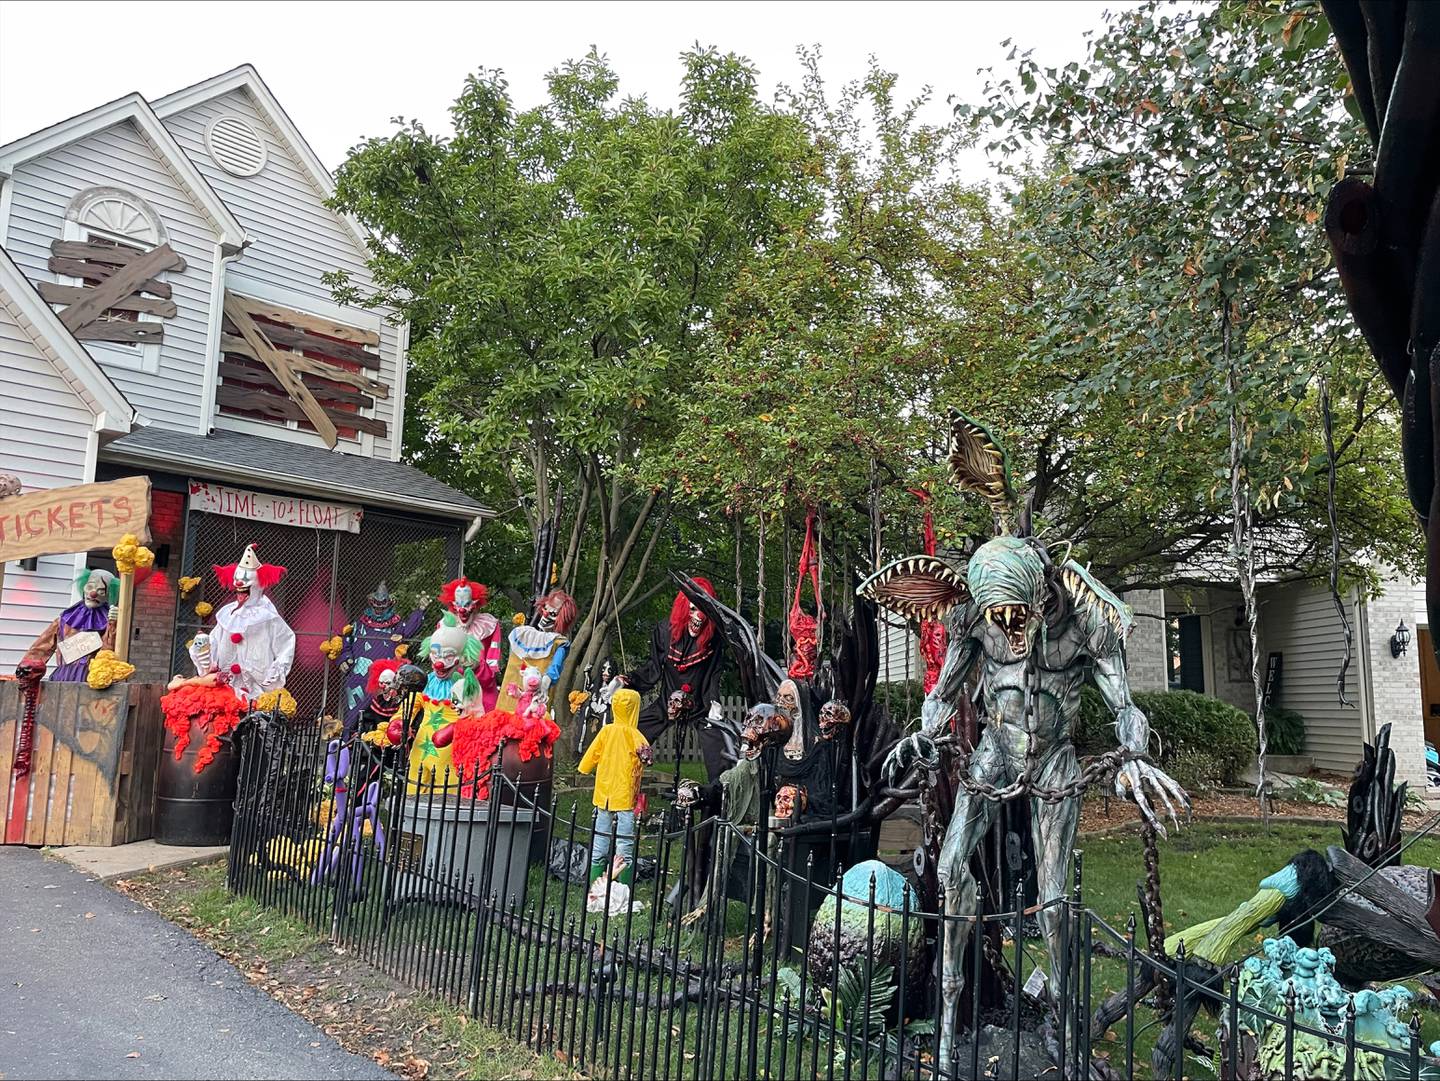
<point x="1007" y="584"/>
<point x="765" y="726"/>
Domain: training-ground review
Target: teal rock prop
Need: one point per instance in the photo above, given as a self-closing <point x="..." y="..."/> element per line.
<point x="894" y="934"/>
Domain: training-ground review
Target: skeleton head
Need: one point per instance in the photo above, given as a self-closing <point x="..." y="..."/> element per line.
<point x="95" y="592"/>
<point x="1007" y="580"/>
<point x="834" y="718"/>
<point x="790" y="801"/>
<point x="680" y="703"/>
<point x="765" y="726"/>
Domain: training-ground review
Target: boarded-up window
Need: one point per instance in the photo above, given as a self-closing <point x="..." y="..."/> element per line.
<point x="299" y="370"/>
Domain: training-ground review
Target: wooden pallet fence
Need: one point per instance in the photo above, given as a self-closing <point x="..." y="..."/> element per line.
<point x="93" y="763"/>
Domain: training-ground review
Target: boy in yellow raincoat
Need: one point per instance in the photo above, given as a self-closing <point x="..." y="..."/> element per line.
<point x="618" y="757"/>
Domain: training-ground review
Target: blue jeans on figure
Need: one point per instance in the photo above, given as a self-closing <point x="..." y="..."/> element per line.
<point x="622" y="823"/>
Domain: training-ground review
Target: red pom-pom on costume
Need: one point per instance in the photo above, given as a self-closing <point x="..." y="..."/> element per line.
<point x="235" y="669"/>
<point x="478" y="738"/>
<point x="237" y="637"/>
<point x="214" y="710"/>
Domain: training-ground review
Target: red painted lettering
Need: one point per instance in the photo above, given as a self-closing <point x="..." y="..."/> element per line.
<point x="122" y="508"/>
<point x="53" y="522"/>
<point x="32" y="518"/>
<point x="77" y="516"/>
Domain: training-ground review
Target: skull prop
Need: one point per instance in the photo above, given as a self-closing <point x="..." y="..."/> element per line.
<point x="834" y="718"/>
<point x="680" y="703"/>
<point x="790" y="802"/>
<point x="765" y="726"/>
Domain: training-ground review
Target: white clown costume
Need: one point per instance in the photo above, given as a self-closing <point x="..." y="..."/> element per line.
<point x="251" y="647"/>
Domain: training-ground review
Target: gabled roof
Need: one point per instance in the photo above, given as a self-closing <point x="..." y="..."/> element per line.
<point x="247" y="78"/>
<point x="324" y="474"/>
<point x="134" y="108"/>
<point x="76" y="365"/>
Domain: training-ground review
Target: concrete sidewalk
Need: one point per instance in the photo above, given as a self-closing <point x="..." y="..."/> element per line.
<point x="93" y="985"/>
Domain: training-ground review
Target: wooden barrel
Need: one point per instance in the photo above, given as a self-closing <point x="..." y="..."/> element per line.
<point x="535" y="780"/>
<point x="195" y="809"/>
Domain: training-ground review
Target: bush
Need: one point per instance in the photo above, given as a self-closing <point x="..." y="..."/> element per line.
<point x="1284" y="731"/>
<point x="1202" y="742"/>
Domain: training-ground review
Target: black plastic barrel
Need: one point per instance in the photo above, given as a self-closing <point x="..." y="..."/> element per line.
<point x="195" y="809"/>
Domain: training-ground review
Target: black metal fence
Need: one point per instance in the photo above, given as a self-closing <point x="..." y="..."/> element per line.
<point x="735" y="952"/>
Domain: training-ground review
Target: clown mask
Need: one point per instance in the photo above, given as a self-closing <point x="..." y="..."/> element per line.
<point x="96" y="590"/>
<point x="464" y="603"/>
<point x="447" y="647"/>
<point x="696" y="625"/>
<point x="550" y="614"/>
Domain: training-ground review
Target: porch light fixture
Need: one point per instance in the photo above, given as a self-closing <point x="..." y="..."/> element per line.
<point x="1400" y="640"/>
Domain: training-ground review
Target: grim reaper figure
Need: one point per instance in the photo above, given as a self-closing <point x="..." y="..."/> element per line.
<point x="1029" y="633"/>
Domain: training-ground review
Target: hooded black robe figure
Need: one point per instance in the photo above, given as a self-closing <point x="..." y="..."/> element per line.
<point x="686" y="659"/>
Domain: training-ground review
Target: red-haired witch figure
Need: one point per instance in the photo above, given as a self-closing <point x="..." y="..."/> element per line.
<point x="685" y="661"/>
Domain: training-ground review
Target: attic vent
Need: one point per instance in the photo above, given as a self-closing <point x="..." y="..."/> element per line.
<point x="235" y="145"/>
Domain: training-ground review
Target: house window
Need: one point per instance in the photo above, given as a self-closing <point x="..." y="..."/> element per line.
<point x="1185" y="645"/>
<point x="111" y="218"/>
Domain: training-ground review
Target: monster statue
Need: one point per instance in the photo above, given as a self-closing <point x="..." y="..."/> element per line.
<point x="1036" y="631"/>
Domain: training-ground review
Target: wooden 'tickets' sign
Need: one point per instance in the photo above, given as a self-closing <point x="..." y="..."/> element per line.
<point x="74" y="519"/>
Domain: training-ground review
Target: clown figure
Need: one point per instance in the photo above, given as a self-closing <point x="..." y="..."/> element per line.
<point x="466" y="600"/>
<point x="251" y="648"/>
<point x="376" y="633"/>
<point x="541" y="645"/>
<point x="450" y="686"/>
<point x="94" y="614"/>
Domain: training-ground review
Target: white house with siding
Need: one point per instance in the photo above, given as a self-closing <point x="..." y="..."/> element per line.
<point x="217" y="360"/>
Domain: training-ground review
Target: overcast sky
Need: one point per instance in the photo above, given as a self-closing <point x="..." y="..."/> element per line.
<point x="343" y="70"/>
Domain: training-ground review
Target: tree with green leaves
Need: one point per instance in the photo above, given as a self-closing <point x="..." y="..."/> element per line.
<point x="558" y="266"/>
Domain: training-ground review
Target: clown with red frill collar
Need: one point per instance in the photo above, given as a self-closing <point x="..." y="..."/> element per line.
<point x="251" y="648"/>
<point x="465" y="600"/>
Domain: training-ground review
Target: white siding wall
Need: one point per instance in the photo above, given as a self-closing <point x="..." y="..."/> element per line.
<point x="1300" y="622"/>
<point x="44" y="428"/>
<point x="121" y="157"/>
<point x="295" y="239"/>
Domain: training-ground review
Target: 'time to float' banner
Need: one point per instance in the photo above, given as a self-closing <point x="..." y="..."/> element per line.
<point x="277" y="509"/>
<point x="74" y="519"/>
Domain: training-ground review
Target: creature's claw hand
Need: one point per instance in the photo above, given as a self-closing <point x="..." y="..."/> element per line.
<point x="911" y="751"/>
<point x="1130" y="783"/>
<point x="688" y="794"/>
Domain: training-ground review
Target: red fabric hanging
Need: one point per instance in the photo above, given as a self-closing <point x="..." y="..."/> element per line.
<point x="805" y="628"/>
<point x="933" y="636"/>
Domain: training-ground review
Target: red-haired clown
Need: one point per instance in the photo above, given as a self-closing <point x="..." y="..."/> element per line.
<point x="251" y="647"/>
<point x="685" y="661"/>
<point x="466" y="600"/>
<point x="542" y="644"/>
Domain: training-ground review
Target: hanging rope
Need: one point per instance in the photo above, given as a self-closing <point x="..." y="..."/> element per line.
<point x="739" y="582"/>
<point x="1244" y="554"/>
<point x="760" y="582"/>
<point x="1328" y="421"/>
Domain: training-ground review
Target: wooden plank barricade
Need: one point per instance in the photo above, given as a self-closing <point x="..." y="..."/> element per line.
<point x="92" y="779"/>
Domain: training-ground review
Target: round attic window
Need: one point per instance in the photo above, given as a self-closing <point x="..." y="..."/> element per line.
<point x="235" y="146"/>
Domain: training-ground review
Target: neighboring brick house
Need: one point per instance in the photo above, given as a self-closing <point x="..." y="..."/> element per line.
<point x="219" y="365"/>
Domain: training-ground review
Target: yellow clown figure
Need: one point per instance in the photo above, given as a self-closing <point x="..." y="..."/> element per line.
<point x="452" y="651"/>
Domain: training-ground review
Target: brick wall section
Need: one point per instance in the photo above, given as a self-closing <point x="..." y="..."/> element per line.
<point x="1146" y="655"/>
<point x="1395" y="681"/>
<point x="155" y="596"/>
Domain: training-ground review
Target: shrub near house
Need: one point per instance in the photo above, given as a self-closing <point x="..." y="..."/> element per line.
<point x="1201" y="742"/>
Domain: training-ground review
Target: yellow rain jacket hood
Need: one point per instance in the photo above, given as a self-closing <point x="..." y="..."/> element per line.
<point x="611" y="757"/>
